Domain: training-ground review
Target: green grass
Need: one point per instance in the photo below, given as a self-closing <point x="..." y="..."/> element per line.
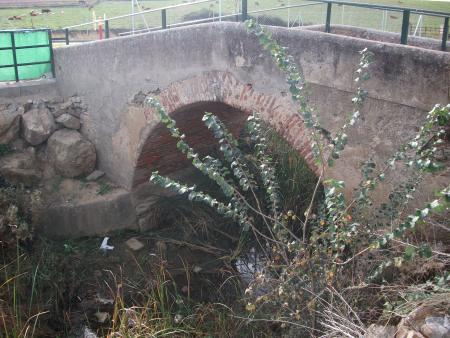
<point x="360" y="17"/>
<point x="67" y="16"/>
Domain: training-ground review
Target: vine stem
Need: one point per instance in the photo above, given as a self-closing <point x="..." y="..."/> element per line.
<point x="305" y="223"/>
<point x="353" y="257"/>
<point x="415" y="246"/>
<point x="269" y="218"/>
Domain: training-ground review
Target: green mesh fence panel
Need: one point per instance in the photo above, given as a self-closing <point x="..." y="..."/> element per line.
<point x="27" y="55"/>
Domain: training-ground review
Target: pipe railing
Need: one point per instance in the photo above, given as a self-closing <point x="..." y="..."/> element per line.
<point x="180" y="24"/>
<point x="385" y="7"/>
<point x="107" y="21"/>
<point x="284" y="8"/>
<point x="244" y="13"/>
<point x="218" y="18"/>
<point x="139" y="13"/>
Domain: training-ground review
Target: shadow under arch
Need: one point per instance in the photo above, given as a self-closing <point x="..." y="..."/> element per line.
<point x="160" y="153"/>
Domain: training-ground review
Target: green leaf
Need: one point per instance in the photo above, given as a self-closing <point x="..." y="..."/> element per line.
<point x="435" y="204"/>
<point x="425" y="251"/>
<point x="424" y="212"/>
<point x="335" y="183"/>
<point x="409" y="253"/>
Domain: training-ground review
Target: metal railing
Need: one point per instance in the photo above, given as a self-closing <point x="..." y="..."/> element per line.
<point x="284" y="8"/>
<point x="106" y="22"/>
<point x="406" y="13"/>
<point x="234" y="17"/>
<point x="243" y="13"/>
<point x="14" y="49"/>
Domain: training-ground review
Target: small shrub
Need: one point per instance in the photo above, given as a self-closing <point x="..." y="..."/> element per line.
<point x="17" y="206"/>
<point x="331" y="248"/>
<point x="104" y="188"/>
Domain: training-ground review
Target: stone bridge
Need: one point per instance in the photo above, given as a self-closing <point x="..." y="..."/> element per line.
<point x="220" y="68"/>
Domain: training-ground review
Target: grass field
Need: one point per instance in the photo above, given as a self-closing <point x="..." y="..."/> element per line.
<point x="67" y="16"/>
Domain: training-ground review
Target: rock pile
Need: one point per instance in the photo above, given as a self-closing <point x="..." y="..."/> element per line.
<point x="42" y="134"/>
<point x="427" y="321"/>
<point x="9" y="124"/>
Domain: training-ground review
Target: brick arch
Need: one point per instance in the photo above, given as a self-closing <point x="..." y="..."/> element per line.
<point x="222" y="94"/>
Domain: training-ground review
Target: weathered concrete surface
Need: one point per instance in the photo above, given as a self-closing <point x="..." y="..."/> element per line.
<point x="36" y="89"/>
<point x="74" y="208"/>
<point x="86" y="217"/>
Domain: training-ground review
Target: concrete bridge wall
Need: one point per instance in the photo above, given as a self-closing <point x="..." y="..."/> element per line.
<point x="406" y="82"/>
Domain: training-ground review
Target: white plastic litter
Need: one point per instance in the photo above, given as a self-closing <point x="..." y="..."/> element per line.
<point x="102" y="316"/>
<point x="104" y="246"/>
<point x="197" y="269"/>
<point x="88" y="333"/>
<point x="104" y="301"/>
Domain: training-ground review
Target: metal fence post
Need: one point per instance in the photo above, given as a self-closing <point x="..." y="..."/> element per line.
<point x="405" y="27"/>
<point x="13" y="48"/>
<point x="445" y="35"/>
<point x="66" y="34"/>
<point x="328" y="20"/>
<point x="50" y="45"/>
<point x="106" y="29"/>
<point x="244" y="10"/>
<point x="163" y="19"/>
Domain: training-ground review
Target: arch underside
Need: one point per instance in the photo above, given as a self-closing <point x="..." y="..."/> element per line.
<point x="232" y="101"/>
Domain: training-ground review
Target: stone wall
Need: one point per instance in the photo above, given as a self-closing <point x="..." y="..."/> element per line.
<point x="41" y="139"/>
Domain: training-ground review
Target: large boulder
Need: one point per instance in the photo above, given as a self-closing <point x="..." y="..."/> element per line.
<point x="70" y="153"/>
<point x="9" y="126"/>
<point x="20" y="168"/>
<point x="429" y="320"/>
<point x="37" y="125"/>
<point x="436" y="327"/>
